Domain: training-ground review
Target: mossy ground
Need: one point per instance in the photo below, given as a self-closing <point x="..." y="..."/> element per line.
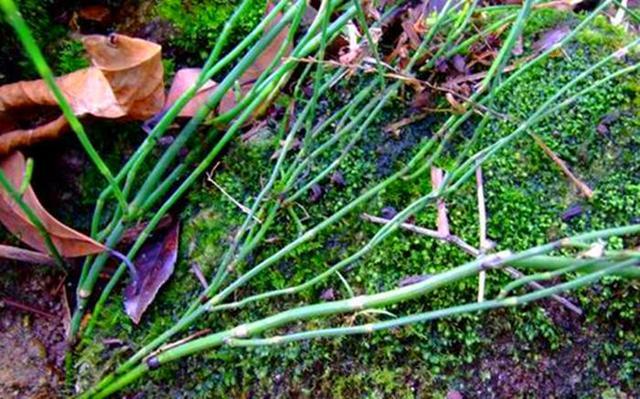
<point x="538" y="350"/>
<point x="541" y="349"/>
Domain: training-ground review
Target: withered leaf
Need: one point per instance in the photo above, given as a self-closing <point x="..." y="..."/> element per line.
<point x="549" y="38"/>
<point x="67" y="241"/>
<point x="437" y="178"/>
<point x="125" y="81"/>
<point x="186" y="77"/>
<point x="153" y="266"/>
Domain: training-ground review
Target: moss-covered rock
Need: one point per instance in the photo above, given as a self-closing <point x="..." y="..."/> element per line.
<point x="542" y="345"/>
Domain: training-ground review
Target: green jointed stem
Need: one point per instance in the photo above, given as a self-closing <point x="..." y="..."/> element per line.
<point x="544" y="276"/>
<point x="26" y="38"/>
<point x="86" y="286"/>
<point x="387" y="298"/>
<point x="310" y="234"/>
<point x="437" y="314"/>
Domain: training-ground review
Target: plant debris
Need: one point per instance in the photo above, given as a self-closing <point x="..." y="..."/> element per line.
<point x="153" y="266"/>
<point x="67" y="241"/>
<point x="125" y="81"/>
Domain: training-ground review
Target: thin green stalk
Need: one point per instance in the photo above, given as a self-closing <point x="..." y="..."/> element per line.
<point x="132" y="165"/>
<point x="371" y="114"/>
<point x="515" y="284"/>
<point x="456" y="33"/>
<point x="373" y="301"/>
<point x="435" y="314"/>
<point x="544" y="263"/>
<point x="311" y="44"/>
<point x="362" y="21"/>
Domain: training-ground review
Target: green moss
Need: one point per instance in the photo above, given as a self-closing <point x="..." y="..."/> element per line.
<point x="70" y="56"/>
<point x="601" y="33"/>
<point x="14" y="65"/>
<point x="198" y="23"/>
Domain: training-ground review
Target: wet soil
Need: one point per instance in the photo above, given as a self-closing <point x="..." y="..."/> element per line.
<point x="33" y="319"/>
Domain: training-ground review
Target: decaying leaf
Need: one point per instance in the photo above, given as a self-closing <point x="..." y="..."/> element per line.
<point x="154" y="266"/>
<point x="125" y="81"/>
<point x="549" y="38"/>
<point x="186" y="77"/>
<point x="24" y="255"/>
<point x="67" y="241"/>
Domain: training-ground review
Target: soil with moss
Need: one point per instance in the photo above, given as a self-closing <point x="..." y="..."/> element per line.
<point x="541" y="350"/>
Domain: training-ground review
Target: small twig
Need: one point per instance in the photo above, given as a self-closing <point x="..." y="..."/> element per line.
<point x="179" y="342"/>
<point x="581" y="186"/>
<point x="26" y="308"/>
<point x="517" y="274"/>
<point x="442" y="221"/>
<point x="226" y="194"/>
<point x="199" y="275"/>
<point x="482" y="229"/>
<point x="460" y="243"/>
<point x="392" y="127"/>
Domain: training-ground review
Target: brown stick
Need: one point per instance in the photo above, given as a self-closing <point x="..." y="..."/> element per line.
<point x="482" y="229"/>
<point x="581" y="186"/>
<point x="26" y="308"/>
<point x="442" y="221"/>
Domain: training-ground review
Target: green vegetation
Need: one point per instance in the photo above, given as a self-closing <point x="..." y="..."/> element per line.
<point x="198" y="23"/>
<point x="46" y="31"/>
<point x="526" y="197"/>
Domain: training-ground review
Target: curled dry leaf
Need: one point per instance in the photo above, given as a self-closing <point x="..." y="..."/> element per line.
<point x="67" y="241"/>
<point x="125" y="81"/>
<point x="153" y="266"/>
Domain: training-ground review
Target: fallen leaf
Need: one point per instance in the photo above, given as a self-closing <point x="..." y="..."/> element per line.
<point x="153" y="266"/>
<point x="549" y="38"/>
<point x="459" y="63"/>
<point x="125" y="81"/>
<point x="560" y="5"/>
<point x="186" y="77"/>
<point x="24" y="255"/>
<point x="579" y="184"/>
<point x="67" y="241"/>
<point x="96" y="13"/>
<point x="518" y="48"/>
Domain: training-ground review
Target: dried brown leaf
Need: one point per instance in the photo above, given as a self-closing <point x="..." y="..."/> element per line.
<point x="24" y="255"/>
<point x="186" y="77"/>
<point x="549" y="38"/>
<point x="67" y="241"/>
<point x="125" y="81"/>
